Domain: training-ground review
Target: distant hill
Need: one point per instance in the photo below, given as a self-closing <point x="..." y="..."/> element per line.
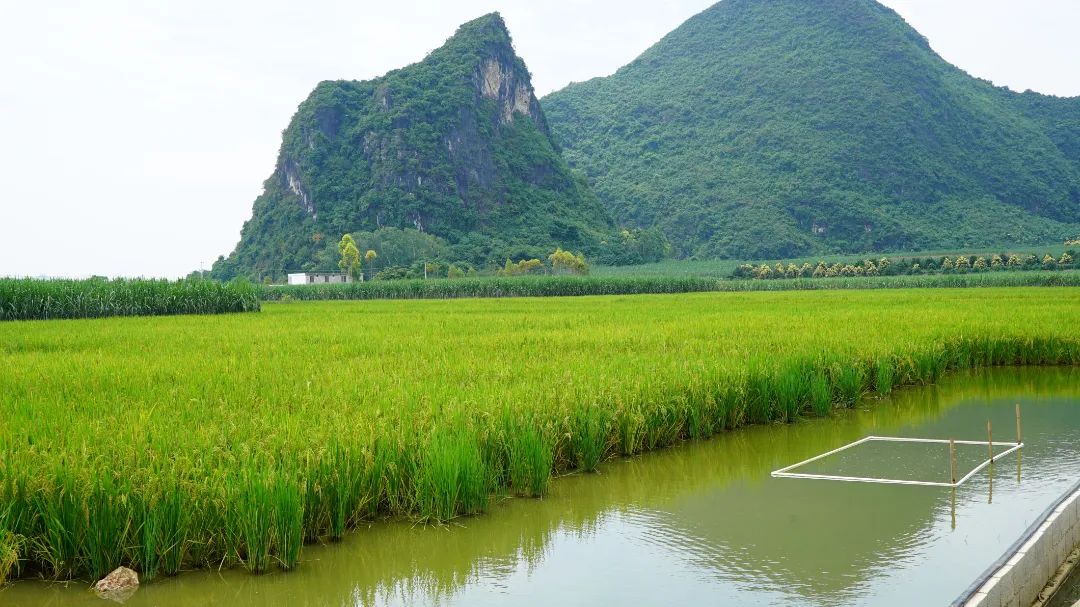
<point x="776" y="128"/>
<point x="456" y="146"/>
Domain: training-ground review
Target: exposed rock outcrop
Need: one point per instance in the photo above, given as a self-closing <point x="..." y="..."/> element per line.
<point x="118" y="586"/>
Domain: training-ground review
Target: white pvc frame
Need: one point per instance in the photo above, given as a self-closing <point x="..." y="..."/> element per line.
<point x="786" y="472"/>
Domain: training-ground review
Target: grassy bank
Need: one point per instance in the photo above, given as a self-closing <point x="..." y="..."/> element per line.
<point x="30" y="299"/>
<point x="165" y="443"/>
<point x="552" y="286"/>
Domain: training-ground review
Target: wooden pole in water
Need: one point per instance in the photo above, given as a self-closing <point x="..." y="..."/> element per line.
<point x="952" y="461"/>
<point x="1018" y="438"/>
<point x="990" y="440"/>
<point x="953" y="509"/>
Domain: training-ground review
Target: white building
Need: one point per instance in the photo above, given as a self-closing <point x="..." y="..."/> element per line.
<point x="318" y="278"/>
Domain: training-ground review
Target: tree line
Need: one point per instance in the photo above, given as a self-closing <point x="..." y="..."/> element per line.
<point x="957" y="264"/>
<point x="362" y="267"/>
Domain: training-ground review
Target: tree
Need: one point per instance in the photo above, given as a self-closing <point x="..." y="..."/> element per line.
<point x="525" y="266"/>
<point x="369" y="257"/>
<point x="744" y="271"/>
<point x="454" y="272"/>
<point x="393" y="273"/>
<point x="565" y="262"/>
<point x="350" y="257"/>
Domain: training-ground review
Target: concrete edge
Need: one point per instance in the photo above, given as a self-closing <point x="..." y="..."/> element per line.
<point x="1019" y="574"/>
<point x="1055" y="583"/>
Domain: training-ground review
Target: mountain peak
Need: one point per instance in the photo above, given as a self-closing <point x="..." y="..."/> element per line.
<point x="491" y="22"/>
<point x="776" y="128"/>
<point x="455" y="146"/>
<point x="498" y="73"/>
<point x="487" y="35"/>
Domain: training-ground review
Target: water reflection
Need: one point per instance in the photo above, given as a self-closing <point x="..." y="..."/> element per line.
<point x="704" y="523"/>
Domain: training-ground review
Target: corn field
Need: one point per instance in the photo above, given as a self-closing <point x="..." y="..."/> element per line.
<point x="552" y="286"/>
<point x="170" y="443"/>
<point x="29" y="299"/>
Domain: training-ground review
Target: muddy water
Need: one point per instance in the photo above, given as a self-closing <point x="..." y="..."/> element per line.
<point x="704" y="523"/>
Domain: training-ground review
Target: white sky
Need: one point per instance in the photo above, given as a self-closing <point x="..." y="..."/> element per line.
<point x="135" y="135"/>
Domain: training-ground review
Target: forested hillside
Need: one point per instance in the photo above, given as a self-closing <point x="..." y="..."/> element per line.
<point x="455" y="146"/>
<point x="772" y="128"/>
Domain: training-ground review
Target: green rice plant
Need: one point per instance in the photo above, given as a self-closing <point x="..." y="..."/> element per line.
<point x="885" y="377"/>
<point x="821" y="399"/>
<point x="588" y="434"/>
<point x="629" y="424"/>
<point x="529" y="457"/>
<point x="791" y="393"/>
<point x="849" y="381"/>
<point x="759" y="394"/>
<point x="10" y="548"/>
<point x="251" y="518"/>
<point x="63" y="524"/>
<point x="704" y="417"/>
<point x="333" y="488"/>
<point x="107" y="523"/>
<point x="452" y="478"/>
<point x="163" y="533"/>
<point x="11" y="543"/>
<point x="287" y="520"/>
<point x="734" y="407"/>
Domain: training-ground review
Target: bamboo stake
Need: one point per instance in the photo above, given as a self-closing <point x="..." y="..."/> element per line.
<point x="952" y="460"/>
<point x="1018" y="436"/>
<point x="990" y="440"/>
<point x="953" y="509"/>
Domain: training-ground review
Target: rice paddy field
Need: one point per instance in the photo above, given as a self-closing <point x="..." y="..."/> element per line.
<point x="168" y="443"/>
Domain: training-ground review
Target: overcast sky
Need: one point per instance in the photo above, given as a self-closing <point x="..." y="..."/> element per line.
<point x="135" y="135"/>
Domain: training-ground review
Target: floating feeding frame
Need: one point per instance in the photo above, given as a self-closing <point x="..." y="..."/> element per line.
<point x="787" y="471"/>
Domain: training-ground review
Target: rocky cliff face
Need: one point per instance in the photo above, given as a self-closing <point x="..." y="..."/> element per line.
<point x="456" y="145"/>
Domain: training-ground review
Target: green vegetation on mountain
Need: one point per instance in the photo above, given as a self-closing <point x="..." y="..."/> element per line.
<point x="455" y="146"/>
<point x="781" y="128"/>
